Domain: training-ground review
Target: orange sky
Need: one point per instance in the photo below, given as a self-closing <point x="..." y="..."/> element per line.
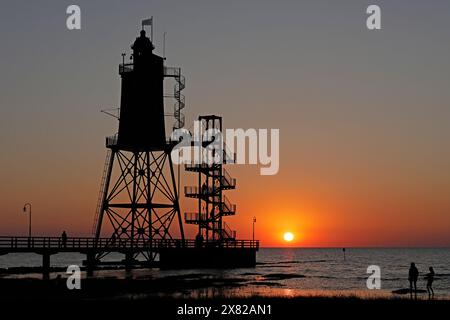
<point x="364" y="118"/>
<point x="335" y="212"/>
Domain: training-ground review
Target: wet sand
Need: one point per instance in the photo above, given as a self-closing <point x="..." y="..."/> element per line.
<point x="113" y="298"/>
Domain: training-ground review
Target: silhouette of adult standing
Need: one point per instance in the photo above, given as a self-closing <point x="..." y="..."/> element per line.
<point x="413" y="276"/>
<point x="64" y="239"/>
<point x="199" y="241"/>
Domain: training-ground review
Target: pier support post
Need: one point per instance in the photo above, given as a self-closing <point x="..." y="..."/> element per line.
<point x="90" y="263"/>
<point x="46" y="266"/>
<point x="128" y="260"/>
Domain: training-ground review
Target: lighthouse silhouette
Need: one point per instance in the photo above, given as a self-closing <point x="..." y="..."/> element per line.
<point x="141" y="126"/>
<point x="138" y="200"/>
<point x="138" y="212"/>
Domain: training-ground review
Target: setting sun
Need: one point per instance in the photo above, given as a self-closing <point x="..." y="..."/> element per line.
<point x="288" y="236"/>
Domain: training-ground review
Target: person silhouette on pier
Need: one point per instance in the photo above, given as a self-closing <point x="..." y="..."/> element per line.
<point x="64" y="239"/>
<point x="430" y="278"/>
<point x="204" y="188"/>
<point x="412" y="277"/>
<point x="199" y="240"/>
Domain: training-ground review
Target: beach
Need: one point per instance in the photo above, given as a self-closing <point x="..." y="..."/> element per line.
<point x="114" y="298"/>
<point x="290" y="281"/>
<point x="279" y="273"/>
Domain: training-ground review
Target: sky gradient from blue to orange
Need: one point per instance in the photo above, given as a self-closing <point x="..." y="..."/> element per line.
<point x="364" y="116"/>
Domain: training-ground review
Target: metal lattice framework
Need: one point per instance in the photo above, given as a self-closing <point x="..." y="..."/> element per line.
<point x="213" y="180"/>
<point x="140" y="201"/>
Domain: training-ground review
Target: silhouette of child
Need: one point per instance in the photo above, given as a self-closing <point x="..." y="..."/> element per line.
<point x="430" y="278"/>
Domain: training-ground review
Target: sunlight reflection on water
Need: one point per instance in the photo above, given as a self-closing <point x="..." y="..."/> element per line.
<point x="289" y="272"/>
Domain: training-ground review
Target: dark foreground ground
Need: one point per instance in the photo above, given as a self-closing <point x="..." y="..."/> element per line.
<point x="151" y="299"/>
<point x="249" y="308"/>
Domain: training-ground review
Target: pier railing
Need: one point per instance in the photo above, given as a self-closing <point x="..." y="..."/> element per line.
<point x="126" y="67"/>
<point x="111" y="141"/>
<point x="12" y="244"/>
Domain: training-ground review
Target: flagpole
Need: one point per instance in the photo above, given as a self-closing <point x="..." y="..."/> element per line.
<point x="152" y="28"/>
<point x="164" y="45"/>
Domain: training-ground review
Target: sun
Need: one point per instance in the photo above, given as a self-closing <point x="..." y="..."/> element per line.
<point x="288" y="236"/>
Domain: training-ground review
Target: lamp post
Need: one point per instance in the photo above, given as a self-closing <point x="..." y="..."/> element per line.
<point x="254" y="221"/>
<point x="25" y="210"/>
<point x="123" y="61"/>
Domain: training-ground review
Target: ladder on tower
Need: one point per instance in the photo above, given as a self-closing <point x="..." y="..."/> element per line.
<point x="102" y="191"/>
<point x="180" y="102"/>
<point x="226" y="181"/>
<point x="228" y="209"/>
<point x="227" y="233"/>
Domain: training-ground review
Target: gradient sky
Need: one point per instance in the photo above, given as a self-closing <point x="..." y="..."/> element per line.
<point x="364" y="116"/>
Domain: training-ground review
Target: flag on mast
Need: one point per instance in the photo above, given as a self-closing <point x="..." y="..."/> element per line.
<point x="148" y="22"/>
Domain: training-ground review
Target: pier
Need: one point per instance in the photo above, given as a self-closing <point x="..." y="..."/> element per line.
<point x="138" y="210"/>
<point x="173" y="253"/>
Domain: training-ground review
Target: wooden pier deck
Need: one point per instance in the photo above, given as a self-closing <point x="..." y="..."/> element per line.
<point x="173" y="253"/>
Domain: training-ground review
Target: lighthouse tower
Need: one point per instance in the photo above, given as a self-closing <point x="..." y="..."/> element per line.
<point x="138" y="200"/>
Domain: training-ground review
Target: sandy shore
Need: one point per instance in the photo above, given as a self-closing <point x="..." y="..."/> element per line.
<point x="170" y="295"/>
<point x="160" y="299"/>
